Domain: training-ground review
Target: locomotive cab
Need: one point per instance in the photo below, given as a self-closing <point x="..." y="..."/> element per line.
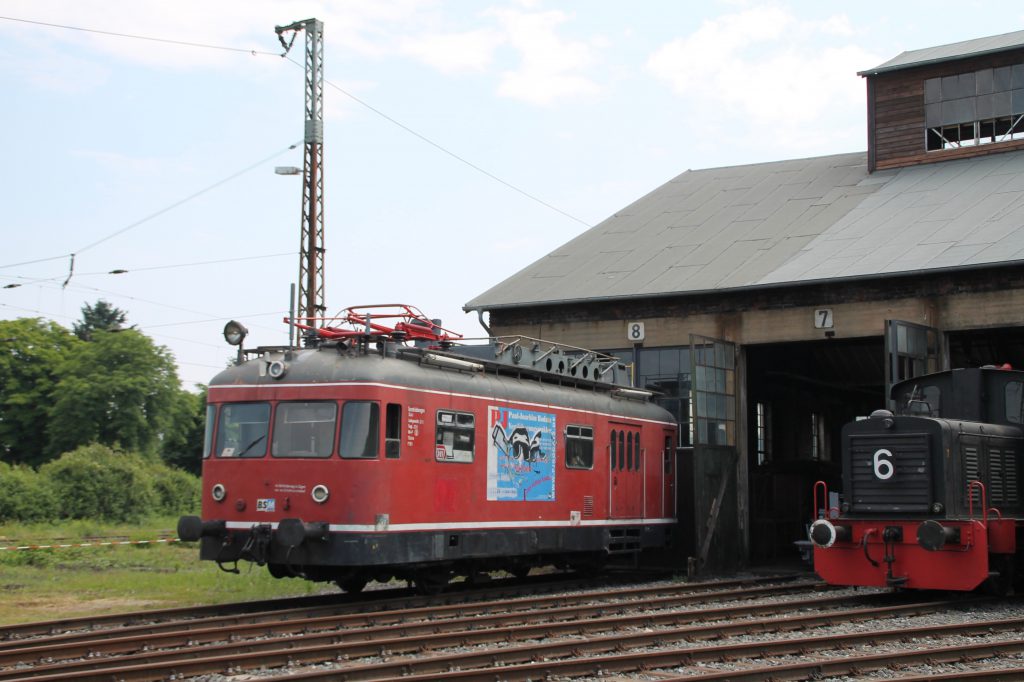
<point x="931" y="493"/>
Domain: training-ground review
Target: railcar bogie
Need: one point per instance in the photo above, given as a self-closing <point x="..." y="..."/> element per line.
<point x="932" y="495"/>
<point x="389" y="451"/>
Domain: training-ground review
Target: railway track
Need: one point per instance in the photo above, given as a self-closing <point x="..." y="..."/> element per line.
<point x="754" y="629"/>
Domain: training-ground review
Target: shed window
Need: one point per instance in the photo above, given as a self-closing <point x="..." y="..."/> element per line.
<point x="974" y="108"/>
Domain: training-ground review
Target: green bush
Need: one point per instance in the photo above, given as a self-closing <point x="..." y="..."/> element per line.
<point x="177" y="491"/>
<point x="97" y="482"/>
<point x="25" y="496"/>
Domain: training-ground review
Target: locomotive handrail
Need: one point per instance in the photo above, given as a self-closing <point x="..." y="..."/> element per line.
<point x="970" y="501"/>
<point x="864" y="543"/>
<point x="814" y="500"/>
<point x="995" y="510"/>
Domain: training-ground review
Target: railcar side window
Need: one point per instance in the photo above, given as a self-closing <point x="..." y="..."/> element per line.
<point x="1014" y="392"/>
<point x="455" y="436"/>
<point x="211" y="413"/>
<point x="393" y="431"/>
<point x="579" y="447"/>
<point x="304" y="429"/>
<point x="360" y="430"/>
<point x="622" y="451"/>
<point x="242" y="431"/>
<point x="613" y="449"/>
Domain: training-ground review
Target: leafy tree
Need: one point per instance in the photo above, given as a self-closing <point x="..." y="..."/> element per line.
<point x="99" y="317"/>
<point x="31" y="354"/>
<point x="118" y="390"/>
<point x="182" y="443"/>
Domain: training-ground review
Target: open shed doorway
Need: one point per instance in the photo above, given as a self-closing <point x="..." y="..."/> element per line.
<point x="978" y="347"/>
<point x="799" y="396"/>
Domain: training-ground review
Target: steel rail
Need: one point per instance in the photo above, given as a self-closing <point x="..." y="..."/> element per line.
<point x="486" y="666"/>
<point x="298" y="636"/>
<point x="357" y="614"/>
<point x="264" y="653"/>
<point x="370" y="600"/>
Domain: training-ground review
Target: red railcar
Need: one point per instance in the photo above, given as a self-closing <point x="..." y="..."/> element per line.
<point x="932" y="494"/>
<point x="363" y="457"/>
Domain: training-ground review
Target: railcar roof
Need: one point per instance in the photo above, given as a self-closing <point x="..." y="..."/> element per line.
<point x="328" y="366"/>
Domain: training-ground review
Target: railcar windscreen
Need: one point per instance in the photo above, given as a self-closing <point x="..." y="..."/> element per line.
<point x="211" y="413"/>
<point x="304" y="429"/>
<point x="360" y="426"/>
<point x="242" y="431"/>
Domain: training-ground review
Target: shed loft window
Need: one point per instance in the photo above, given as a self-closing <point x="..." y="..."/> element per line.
<point x="979" y="107"/>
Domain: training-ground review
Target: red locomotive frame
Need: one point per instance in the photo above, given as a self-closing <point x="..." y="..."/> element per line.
<point x="932" y="494"/>
<point x="364" y="457"/>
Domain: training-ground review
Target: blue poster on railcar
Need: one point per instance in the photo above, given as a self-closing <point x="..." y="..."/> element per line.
<point x="520" y="455"/>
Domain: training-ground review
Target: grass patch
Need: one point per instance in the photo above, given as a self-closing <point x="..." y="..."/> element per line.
<point x="50" y="584"/>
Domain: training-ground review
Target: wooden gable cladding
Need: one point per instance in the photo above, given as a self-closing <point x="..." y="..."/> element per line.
<point x="896" y="113"/>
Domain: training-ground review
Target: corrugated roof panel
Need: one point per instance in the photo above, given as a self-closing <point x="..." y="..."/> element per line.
<point x="941" y="53"/>
<point x="954" y="255"/>
<point x="982" y="223"/>
<point x="917" y="258"/>
<point x="752" y="226"/>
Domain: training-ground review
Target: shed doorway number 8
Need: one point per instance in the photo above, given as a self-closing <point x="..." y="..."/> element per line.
<point x="635" y="332"/>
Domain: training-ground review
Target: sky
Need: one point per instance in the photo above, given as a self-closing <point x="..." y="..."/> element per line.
<point x="462" y="140"/>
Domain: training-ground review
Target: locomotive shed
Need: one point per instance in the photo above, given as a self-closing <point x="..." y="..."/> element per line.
<point x="770" y="304"/>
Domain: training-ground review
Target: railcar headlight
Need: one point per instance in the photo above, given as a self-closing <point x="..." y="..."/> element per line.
<point x="320" y="494"/>
<point x="276" y="369"/>
<point x="234" y="333"/>
<point x="937" y="508"/>
<point x="219" y="492"/>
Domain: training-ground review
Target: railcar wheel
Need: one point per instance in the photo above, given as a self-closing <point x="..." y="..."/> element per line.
<point x="430" y="581"/>
<point x="353" y="584"/>
<point x="520" y="571"/>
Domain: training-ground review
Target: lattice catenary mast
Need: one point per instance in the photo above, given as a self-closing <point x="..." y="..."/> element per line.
<point x="311" y="251"/>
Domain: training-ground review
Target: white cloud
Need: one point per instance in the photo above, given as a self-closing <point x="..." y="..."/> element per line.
<point x="455" y="52"/>
<point x="768" y="67"/>
<point x="551" y="68"/>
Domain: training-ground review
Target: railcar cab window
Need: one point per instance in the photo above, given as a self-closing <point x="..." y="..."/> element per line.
<point x="211" y="414"/>
<point x="304" y="429"/>
<point x="579" y="447"/>
<point x="454" y="436"/>
<point x="360" y="430"/>
<point x="242" y="431"/>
